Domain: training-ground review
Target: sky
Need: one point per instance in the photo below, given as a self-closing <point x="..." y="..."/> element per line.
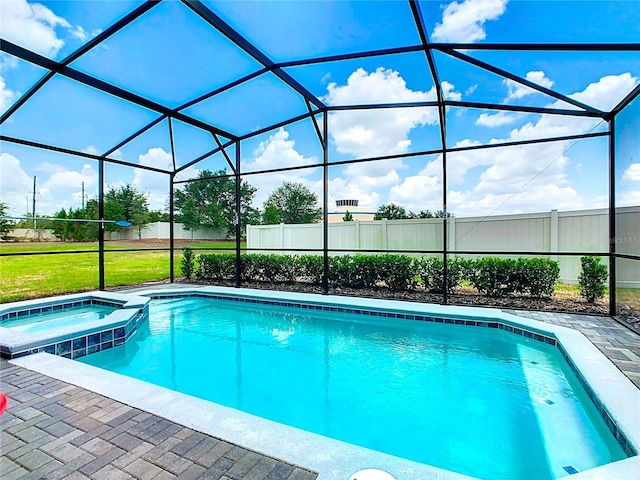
<point x="171" y="56"/>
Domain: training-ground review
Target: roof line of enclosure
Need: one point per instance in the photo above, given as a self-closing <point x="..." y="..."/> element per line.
<point x="406" y="155"/>
<point x="222" y="147"/>
<point x="175" y="113"/>
<point x="108" y="32"/>
<point x="68" y="151"/>
<point x="214" y="20"/>
<point x="106" y="87"/>
<point x="558" y="47"/>
<point x="624" y="102"/>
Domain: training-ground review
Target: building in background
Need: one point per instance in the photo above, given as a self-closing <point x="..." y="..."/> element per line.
<point x="342" y="206"/>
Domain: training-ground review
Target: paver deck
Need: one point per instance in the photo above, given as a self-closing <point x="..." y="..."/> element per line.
<point x="53" y="430"/>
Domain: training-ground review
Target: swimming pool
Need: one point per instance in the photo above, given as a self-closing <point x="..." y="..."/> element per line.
<point x="478" y="401"/>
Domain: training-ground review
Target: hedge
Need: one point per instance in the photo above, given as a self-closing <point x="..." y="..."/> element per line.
<point x="495" y="277"/>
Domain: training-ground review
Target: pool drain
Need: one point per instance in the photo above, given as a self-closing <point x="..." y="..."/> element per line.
<point x="371" y="474"/>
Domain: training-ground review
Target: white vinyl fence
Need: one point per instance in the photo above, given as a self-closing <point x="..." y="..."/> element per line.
<point x="574" y="231"/>
<point x="161" y="230"/>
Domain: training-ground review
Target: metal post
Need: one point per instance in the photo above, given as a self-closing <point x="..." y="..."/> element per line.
<point x="171" y="229"/>
<point x="101" y="224"/>
<point x="238" y="216"/>
<point x="325" y="203"/>
<point x="612" y="217"/>
<point x="445" y="238"/>
<point x="33" y="211"/>
<point x="82" y="196"/>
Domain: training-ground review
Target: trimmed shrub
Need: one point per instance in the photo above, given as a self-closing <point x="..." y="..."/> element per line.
<point x="591" y="280"/>
<point x="310" y="268"/>
<point x="278" y="268"/>
<point x="429" y="272"/>
<point x="494" y="277"/>
<point x="538" y="276"/>
<point x="396" y="271"/>
<point x="187" y="263"/>
<point x="504" y="277"/>
<point x="250" y="263"/>
<point x="366" y="270"/>
<point x="216" y="267"/>
<point x="342" y="271"/>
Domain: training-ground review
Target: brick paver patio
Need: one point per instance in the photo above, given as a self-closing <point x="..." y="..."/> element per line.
<point x="53" y="430"/>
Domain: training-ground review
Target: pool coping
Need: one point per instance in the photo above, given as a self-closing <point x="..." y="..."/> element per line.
<point x="73" y="340"/>
<point x="334" y="459"/>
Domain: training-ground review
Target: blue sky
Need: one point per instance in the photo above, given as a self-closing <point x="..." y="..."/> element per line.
<point x="169" y="55"/>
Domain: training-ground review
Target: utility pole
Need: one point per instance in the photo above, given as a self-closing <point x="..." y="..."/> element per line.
<point x="82" y="195"/>
<point x="34" y="202"/>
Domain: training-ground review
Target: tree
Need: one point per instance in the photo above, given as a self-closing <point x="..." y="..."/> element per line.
<point x="291" y="203"/>
<point x="77" y="231"/>
<point x="210" y="202"/>
<point x="391" y="211"/>
<point x="5" y="225"/>
<point x="158" y="216"/>
<point x="422" y="214"/>
<point x="126" y="203"/>
<point x="347" y="217"/>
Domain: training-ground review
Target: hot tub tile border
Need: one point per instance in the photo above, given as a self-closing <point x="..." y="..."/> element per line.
<point x="93" y="342"/>
<point x="59" y="306"/>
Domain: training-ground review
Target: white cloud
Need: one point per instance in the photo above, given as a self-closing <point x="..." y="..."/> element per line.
<point x="368" y="133"/>
<point x="495" y="120"/>
<point x="464" y="22"/>
<point x="517" y="90"/>
<point x="632" y="174"/>
<point x="276" y="152"/>
<point x="527" y="178"/>
<point x="448" y="90"/>
<point x="79" y="33"/>
<point x="7" y="96"/>
<point x="68" y="180"/>
<point x="31" y="26"/>
<point x="418" y="192"/>
<point x="470" y="90"/>
<point x="607" y="92"/>
<point x="629" y="198"/>
<point x="91" y="150"/>
<point x="154" y="185"/>
<point x="14" y="182"/>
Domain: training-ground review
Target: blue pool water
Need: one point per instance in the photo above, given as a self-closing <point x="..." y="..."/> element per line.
<point x="53" y="320"/>
<point x="481" y="402"/>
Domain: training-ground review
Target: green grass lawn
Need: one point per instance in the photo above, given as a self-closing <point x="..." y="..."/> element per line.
<point x="33" y="276"/>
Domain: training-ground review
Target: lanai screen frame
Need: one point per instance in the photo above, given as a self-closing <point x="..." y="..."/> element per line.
<point x="316" y="107"/>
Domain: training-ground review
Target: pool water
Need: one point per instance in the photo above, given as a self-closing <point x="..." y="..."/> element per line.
<point x="481" y="402"/>
<point x="53" y="320"/>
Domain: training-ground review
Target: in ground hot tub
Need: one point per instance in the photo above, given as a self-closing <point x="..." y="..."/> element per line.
<point x="71" y="325"/>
